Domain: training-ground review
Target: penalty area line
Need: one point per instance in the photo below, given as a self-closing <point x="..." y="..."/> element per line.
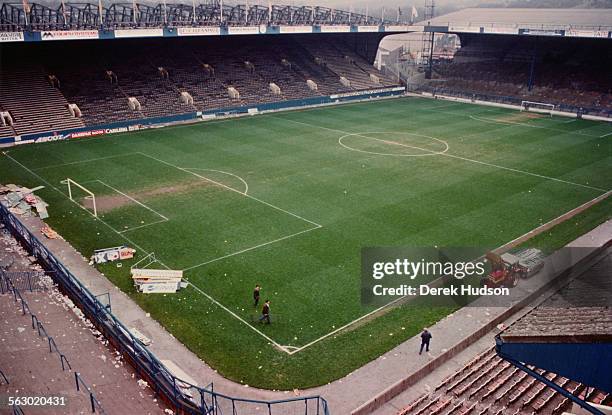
<point x="295" y="215"/>
<point x="133" y="200"/>
<point x="251" y="248"/>
<point x="246" y="185"/>
<point x="83" y="207"/>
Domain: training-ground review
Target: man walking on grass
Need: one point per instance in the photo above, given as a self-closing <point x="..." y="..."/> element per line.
<point x="265" y="312"/>
<point x="425" y="338"/>
<point x="256" y="295"/>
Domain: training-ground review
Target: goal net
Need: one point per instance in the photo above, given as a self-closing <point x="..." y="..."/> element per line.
<point x="81" y="195"/>
<point x="540" y="107"/>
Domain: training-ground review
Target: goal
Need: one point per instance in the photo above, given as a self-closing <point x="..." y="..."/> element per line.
<point x="89" y="194"/>
<point x="540" y="107"/>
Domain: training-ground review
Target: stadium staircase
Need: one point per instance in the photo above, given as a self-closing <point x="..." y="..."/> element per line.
<point x="34" y="104"/>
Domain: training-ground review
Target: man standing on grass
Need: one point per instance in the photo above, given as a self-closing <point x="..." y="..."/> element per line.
<point x="425" y="338"/>
<point x="256" y="294"/>
<point x="265" y="312"/>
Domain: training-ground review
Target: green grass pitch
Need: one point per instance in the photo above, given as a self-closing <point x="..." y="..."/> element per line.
<point x="287" y="200"/>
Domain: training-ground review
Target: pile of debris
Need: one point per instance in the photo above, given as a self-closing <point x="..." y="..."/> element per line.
<point x="22" y="201"/>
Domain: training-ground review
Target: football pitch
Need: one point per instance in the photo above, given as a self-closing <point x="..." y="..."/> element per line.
<point x="287" y="201"/>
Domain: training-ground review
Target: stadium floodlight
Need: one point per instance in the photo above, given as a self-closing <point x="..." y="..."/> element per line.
<point x="540" y="107"/>
<point x="69" y="182"/>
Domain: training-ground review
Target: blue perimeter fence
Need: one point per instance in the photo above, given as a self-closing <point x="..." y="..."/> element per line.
<point x="185" y="397"/>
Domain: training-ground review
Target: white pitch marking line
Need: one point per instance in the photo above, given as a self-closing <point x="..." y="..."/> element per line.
<point x="83" y="161"/>
<point x="232" y="189"/>
<point x="462" y="158"/>
<point x="144" y="226"/>
<point x="133" y="200"/>
<point x="427" y="152"/>
<point x="441" y="106"/>
<point x="265" y="336"/>
<point x="357" y="320"/>
<point x="251" y="248"/>
<point x="520" y="124"/>
<point x="83" y="207"/>
<point x="605" y="135"/>
<point x="246" y="185"/>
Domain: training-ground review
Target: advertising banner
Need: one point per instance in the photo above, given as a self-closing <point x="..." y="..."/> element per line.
<point x="243" y="30"/>
<point x="199" y="31"/>
<point x="127" y="33"/>
<point x="587" y="33"/>
<point x="464" y="29"/>
<point x="69" y="34"/>
<point x="11" y="37"/>
<point x="501" y="30"/>
<point x="296" y="29"/>
<point x="335" y="28"/>
<point x="367" y="28"/>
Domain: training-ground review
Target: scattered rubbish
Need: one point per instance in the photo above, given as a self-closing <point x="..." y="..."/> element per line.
<point x="156" y="280"/>
<point x="49" y="233"/>
<point x="141" y="337"/>
<point x="101" y="256"/>
<point x="22" y="201"/>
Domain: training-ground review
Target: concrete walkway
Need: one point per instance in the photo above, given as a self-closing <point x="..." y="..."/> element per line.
<point x="389" y="374"/>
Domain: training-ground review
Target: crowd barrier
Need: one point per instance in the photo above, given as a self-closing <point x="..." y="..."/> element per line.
<point x="40" y="329"/>
<point x="184" y="397"/>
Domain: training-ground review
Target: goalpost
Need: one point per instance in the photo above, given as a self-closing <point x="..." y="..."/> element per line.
<point x="540" y="107"/>
<point x="90" y="194"/>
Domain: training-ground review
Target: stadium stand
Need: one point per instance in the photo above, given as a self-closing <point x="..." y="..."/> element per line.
<point x="48" y="346"/>
<point x="490" y="385"/>
<point x="566" y="72"/>
<point x="204" y="69"/>
<point x="497" y="63"/>
<point x="33" y="102"/>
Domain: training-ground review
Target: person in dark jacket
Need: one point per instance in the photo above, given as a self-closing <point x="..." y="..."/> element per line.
<point x="256" y="295"/>
<point x="265" y="312"/>
<point x="425" y="338"/>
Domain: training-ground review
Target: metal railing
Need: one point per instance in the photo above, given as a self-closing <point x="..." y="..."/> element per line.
<point x="39" y="327"/>
<point x="183" y="396"/>
<point x="23" y="280"/>
<point x="80" y="383"/>
<point x="15" y="16"/>
<point x="3" y="376"/>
